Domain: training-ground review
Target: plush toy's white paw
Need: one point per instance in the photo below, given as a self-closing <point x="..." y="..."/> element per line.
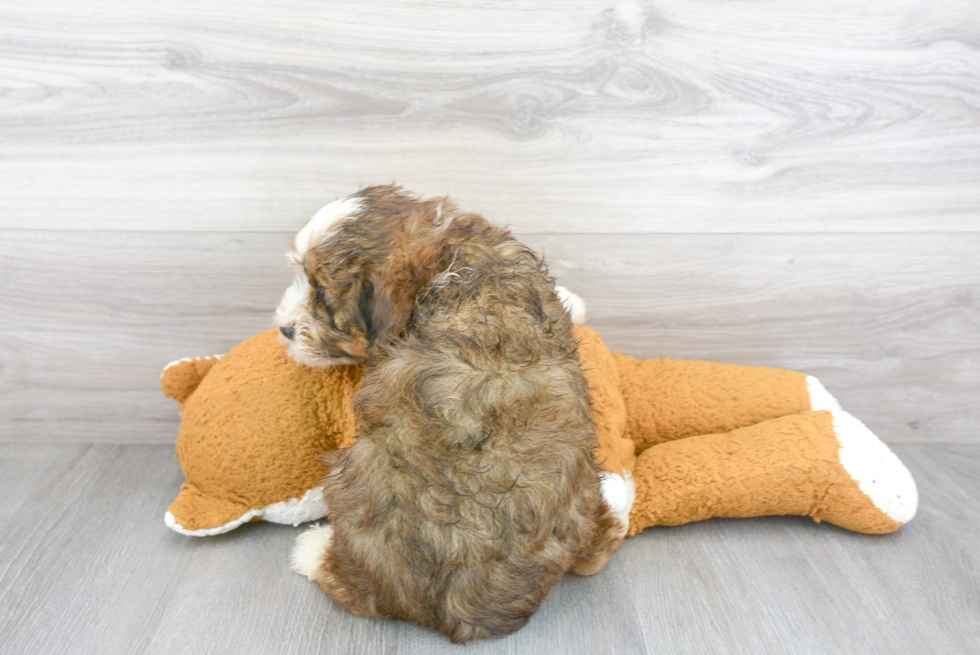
<point x="297" y="510"/>
<point x="619" y="492"/>
<point x="310" y="551"/>
<point x="574" y="304"/>
<point x="879" y="474"/>
<point x="820" y="398"/>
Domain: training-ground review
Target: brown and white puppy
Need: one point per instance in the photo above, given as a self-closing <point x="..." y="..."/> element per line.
<point x="472" y="488"/>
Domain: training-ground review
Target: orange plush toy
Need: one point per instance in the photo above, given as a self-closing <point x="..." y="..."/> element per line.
<point x="680" y="441"/>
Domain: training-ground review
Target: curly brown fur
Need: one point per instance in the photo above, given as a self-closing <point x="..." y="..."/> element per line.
<point x="472" y="488"/>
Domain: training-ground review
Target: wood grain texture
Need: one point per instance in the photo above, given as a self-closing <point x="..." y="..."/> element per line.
<point x="87" y="566"/>
<point x="889" y="322"/>
<point x="791" y="184"/>
<point x="566" y="115"/>
<point x="757" y="182"/>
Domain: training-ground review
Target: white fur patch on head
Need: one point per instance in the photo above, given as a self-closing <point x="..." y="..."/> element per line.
<point x="310" y="551"/>
<point x="319" y="227"/>
<point x="879" y="474"/>
<point x="295" y="304"/>
<point x="572" y="303"/>
<point x="294" y="311"/>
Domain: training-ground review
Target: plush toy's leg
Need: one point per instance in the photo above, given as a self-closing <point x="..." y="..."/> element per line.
<point x="180" y="378"/>
<point x="669" y="399"/>
<point x="826" y="465"/>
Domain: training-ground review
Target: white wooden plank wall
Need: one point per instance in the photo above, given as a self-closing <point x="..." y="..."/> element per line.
<point x="791" y="184"/>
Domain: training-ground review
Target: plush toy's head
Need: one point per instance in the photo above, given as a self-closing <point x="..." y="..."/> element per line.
<point x="255" y="424"/>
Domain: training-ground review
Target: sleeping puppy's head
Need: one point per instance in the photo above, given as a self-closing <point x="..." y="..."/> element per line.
<point x="359" y="264"/>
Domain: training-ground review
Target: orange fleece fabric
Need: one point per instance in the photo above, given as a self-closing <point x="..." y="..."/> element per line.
<point x="254" y="428"/>
<point x="701" y="439"/>
<point x="668" y="399"/>
<point x="255" y="423"/>
<point x="787" y="465"/>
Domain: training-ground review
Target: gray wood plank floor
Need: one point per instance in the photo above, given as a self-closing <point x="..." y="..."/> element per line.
<point x="87" y="566"/>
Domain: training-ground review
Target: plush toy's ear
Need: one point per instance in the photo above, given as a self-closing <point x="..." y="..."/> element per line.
<point x="180" y="378"/>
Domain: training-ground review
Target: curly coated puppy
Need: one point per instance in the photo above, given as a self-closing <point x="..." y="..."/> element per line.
<point x="472" y="488"/>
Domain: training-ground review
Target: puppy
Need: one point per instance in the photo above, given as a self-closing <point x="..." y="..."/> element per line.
<point x="472" y="488"/>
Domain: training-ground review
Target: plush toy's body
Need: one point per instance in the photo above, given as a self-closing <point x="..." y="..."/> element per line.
<point x="681" y="441"/>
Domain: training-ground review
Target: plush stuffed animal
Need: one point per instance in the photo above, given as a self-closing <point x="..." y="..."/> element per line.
<point x="680" y="441"/>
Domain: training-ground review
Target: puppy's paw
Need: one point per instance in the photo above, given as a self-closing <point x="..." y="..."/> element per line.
<point x="572" y="303"/>
<point x="310" y="551"/>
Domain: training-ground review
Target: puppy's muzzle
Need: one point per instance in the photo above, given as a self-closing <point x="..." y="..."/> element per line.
<point x="288" y="332"/>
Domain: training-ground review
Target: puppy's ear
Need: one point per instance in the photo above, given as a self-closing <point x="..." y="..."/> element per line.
<point x="390" y="305"/>
<point x="362" y="309"/>
<point x="387" y="311"/>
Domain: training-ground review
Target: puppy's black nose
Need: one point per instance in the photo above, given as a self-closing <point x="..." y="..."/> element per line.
<point x="287" y="331"/>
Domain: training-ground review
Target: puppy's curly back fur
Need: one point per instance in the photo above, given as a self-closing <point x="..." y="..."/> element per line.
<point x="472" y="488"/>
